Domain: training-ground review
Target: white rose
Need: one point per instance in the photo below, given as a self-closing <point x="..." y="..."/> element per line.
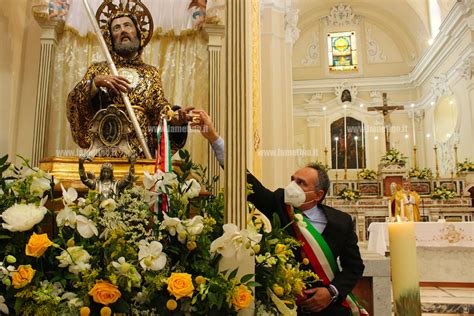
<point x="22" y="217"/>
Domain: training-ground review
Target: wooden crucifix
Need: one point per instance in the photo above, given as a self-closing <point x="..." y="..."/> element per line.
<point x="386" y="110"/>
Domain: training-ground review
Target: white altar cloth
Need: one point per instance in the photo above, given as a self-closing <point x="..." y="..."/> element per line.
<point x="428" y="234"/>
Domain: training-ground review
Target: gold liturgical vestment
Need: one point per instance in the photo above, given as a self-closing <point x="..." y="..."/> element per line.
<point x="146" y="96"/>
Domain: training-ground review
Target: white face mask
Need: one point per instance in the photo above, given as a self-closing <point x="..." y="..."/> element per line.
<point x="294" y="194"/>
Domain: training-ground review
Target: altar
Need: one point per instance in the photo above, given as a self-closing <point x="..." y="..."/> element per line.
<point x="444" y="249"/>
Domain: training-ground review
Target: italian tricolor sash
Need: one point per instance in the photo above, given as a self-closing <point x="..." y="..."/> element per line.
<point x="163" y="159"/>
<point x="321" y="258"/>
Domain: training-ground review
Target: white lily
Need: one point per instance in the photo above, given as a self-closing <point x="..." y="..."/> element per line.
<point x="108" y="205"/>
<point x="151" y="256"/>
<point x="75" y="258"/>
<point x="39" y="185"/>
<point x="191" y="188"/>
<point x="194" y="226"/>
<point x="86" y="227"/>
<point x="172" y="224"/>
<point x="66" y="217"/>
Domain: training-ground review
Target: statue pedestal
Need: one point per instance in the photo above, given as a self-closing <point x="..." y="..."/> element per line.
<point x="66" y="169"/>
<point x="391" y="174"/>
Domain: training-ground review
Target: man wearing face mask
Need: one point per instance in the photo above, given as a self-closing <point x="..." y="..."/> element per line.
<point x="328" y="234"/>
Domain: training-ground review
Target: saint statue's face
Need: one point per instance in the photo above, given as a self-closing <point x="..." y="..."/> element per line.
<point x="106" y="174"/>
<point x="124" y="37"/>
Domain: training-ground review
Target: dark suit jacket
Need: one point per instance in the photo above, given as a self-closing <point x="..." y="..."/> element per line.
<point x="338" y="233"/>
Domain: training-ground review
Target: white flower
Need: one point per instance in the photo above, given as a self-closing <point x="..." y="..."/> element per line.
<point x="39" y="185"/>
<point x="81" y="202"/>
<point x="66" y="217"/>
<point x="22" y="217"/>
<point x="194" y="226"/>
<point x="72" y="299"/>
<point x="108" y="205"/>
<point x="140" y="298"/>
<point x="3" y="306"/>
<point x="87" y="211"/>
<point x="191" y="188"/>
<point x="299" y="220"/>
<point x="69" y="196"/>
<point x="85" y="227"/>
<point x="128" y="270"/>
<point x="172" y="224"/>
<point x="151" y="256"/>
<point x="149" y="181"/>
<point x="76" y="258"/>
<point x="159" y="181"/>
<point x="233" y="242"/>
<point x="150" y="197"/>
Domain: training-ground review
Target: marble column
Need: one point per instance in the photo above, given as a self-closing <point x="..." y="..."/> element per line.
<point x="215" y="35"/>
<point x="279" y="32"/>
<point x="49" y="34"/>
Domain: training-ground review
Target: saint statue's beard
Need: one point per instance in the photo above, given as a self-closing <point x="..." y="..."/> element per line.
<point x="127" y="49"/>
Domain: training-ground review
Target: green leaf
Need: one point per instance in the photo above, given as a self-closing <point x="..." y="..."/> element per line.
<point x="233" y="273"/>
<point x="246" y="278"/>
<point x="3" y="159"/>
<point x="253" y="283"/>
<point x="5" y="237"/>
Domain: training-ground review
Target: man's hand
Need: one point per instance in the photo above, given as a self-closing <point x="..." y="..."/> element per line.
<point x="182" y="117"/>
<point x="318" y="299"/>
<point x="117" y="84"/>
<point x="205" y="126"/>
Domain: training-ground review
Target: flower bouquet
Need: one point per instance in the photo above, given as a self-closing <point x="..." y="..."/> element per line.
<point x="367" y="174"/>
<point x="393" y="158"/>
<point x="465" y="166"/>
<point x="422" y="174"/>
<point x="118" y="255"/>
<point x="442" y="193"/>
<point x="349" y="195"/>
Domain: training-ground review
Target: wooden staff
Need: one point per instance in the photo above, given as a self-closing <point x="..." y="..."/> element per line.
<point x="114" y="72"/>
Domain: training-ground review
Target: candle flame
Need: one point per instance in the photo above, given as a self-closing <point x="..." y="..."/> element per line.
<point x="399" y="219"/>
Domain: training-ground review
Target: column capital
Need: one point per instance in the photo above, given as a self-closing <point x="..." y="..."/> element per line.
<point x="215" y="34"/>
<point x="50" y="27"/>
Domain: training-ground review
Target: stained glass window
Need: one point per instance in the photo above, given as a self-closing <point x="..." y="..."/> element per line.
<point x="342" y="51"/>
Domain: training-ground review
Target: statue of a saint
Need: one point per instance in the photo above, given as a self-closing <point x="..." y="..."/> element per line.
<point x="106" y="185"/>
<point x="126" y="31"/>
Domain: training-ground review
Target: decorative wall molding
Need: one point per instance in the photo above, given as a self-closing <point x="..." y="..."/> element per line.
<point x="446" y="157"/>
<point x="313" y="121"/>
<point x="466" y="68"/>
<point x="312" y="56"/>
<point x="440" y="86"/>
<point x="341" y="15"/>
<point x="315" y="99"/>
<point x="375" y="53"/>
<point x="344" y="86"/>
<point x="292" y="33"/>
<point x="376" y="96"/>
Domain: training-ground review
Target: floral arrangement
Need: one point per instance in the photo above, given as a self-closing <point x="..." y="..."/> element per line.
<point x="422" y="174"/>
<point x="120" y="256"/>
<point x="464" y="166"/>
<point x="442" y="193"/>
<point x="367" y="174"/>
<point x="349" y="195"/>
<point x="393" y="157"/>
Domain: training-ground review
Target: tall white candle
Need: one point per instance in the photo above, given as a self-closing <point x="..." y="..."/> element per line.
<point x="325" y="128"/>
<point x="413" y="127"/>
<point x="405" y="281"/>
<point x="345" y="130"/>
<point x="357" y="154"/>
<point x="336" y="139"/>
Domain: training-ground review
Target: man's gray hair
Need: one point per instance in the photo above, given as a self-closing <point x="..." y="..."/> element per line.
<point x="323" y="178"/>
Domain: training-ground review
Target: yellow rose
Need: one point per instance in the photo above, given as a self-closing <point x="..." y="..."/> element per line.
<point x="171" y="305"/>
<point x="180" y="285"/>
<point x="37" y="245"/>
<point x="22" y="276"/>
<point x="105" y="293"/>
<point x="242" y="297"/>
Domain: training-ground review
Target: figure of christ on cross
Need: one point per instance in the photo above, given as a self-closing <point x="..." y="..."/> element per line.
<point x="386" y="110"/>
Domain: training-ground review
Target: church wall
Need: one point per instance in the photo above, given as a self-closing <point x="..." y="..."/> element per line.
<point x="18" y="77"/>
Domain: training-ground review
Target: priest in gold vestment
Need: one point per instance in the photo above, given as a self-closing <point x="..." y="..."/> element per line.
<point x="98" y="88"/>
<point x="406" y="202"/>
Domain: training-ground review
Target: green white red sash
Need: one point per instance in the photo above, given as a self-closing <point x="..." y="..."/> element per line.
<point x="321" y="258"/>
<point x="163" y="159"/>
